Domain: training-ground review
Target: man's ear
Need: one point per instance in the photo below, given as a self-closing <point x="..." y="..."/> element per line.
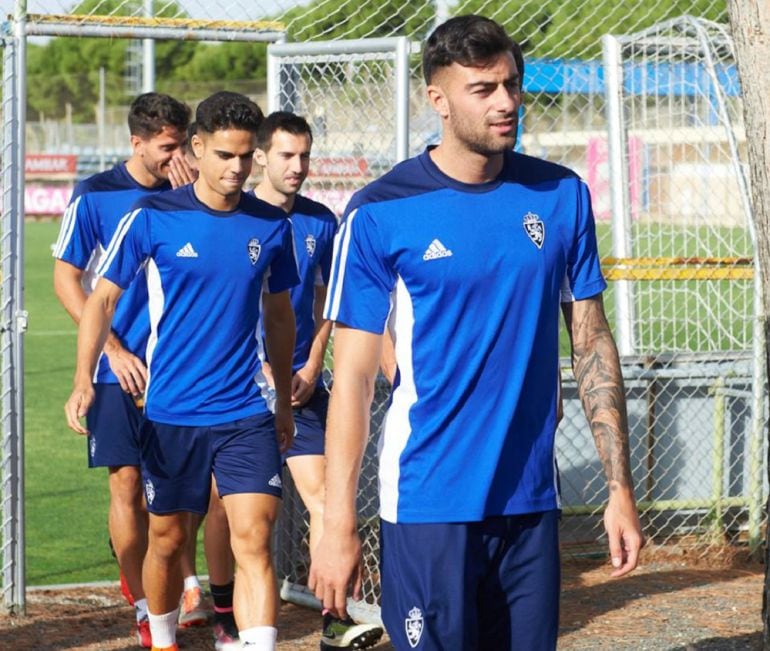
<point x="137" y="145"/>
<point x="437" y="100"/>
<point x="260" y="157"/>
<point x="196" y="142"/>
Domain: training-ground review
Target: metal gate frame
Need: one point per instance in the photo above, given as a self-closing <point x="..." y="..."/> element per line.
<point x="289" y="534"/>
<point x="617" y="128"/>
<point x="13" y="317"/>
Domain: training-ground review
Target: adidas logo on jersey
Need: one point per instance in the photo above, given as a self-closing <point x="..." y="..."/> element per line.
<point x="275" y="481"/>
<point x="187" y="251"/>
<point x="435" y="251"/>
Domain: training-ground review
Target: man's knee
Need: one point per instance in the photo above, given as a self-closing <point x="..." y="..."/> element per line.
<point x="126" y="484"/>
<point x="168" y="535"/>
<point x="251" y="528"/>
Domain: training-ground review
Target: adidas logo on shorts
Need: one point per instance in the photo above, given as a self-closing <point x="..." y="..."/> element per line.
<point x="275" y="482"/>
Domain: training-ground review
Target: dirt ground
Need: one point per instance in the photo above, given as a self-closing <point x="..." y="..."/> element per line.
<point x="671" y="603"/>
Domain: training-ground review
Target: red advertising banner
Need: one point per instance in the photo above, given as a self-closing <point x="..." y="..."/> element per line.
<point x="50" y="164"/>
<point x="339" y="166"/>
<point x="46" y="200"/>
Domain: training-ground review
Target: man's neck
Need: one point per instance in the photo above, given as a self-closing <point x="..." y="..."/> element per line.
<point x="270" y="195"/>
<point x="461" y="164"/>
<point x="214" y="200"/>
<point x="139" y="173"/>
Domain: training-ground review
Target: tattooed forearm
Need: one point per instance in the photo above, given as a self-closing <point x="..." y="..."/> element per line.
<point x="600" y="387"/>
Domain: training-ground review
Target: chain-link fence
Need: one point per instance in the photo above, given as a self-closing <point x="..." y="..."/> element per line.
<point x="651" y="119"/>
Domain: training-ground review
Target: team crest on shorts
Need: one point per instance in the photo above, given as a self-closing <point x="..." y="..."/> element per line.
<point x="149" y="491"/>
<point x="310" y="245"/>
<point x="254" y="248"/>
<point x="92" y="446"/>
<point x="414" y="625"/>
<point x="535" y="229"/>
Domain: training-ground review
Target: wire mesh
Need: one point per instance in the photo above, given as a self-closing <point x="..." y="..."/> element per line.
<point x="694" y="386"/>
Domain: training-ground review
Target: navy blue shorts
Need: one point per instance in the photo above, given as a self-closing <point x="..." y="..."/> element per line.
<point x="310" y="423"/>
<point x="114" y="423"/>
<point x="472" y="586"/>
<point x="177" y="462"/>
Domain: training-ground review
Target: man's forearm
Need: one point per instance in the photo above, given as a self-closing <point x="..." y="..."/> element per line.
<point x="93" y="331"/>
<point x="600" y="386"/>
<point x="69" y="290"/>
<point x="318" y="348"/>
<point x="279" y="343"/>
<point x="356" y="357"/>
<point x="347" y="432"/>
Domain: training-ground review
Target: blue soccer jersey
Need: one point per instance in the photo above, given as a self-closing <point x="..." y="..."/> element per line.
<point x="97" y="205"/>
<point x="313" y="227"/>
<point x="206" y="271"/>
<point x="468" y="278"/>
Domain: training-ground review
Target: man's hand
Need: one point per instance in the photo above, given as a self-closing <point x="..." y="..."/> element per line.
<point x="180" y="172"/>
<point x="129" y="369"/>
<point x="78" y="405"/>
<point x="335" y="568"/>
<point x="284" y="427"/>
<point x="621" y="521"/>
<point x="303" y="385"/>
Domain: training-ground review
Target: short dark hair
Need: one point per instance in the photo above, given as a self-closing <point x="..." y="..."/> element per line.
<point x="469" y="41"/>
<point x="226" y="110"/>
<point x="150" y="112"/>
<point x="282" y="121"/>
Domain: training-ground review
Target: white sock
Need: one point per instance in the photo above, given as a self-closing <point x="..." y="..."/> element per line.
<point x="191" y="582"/>
<point x="163" y="628"/>
<point x="141" y="609"/>
<point x="258" y="638"/>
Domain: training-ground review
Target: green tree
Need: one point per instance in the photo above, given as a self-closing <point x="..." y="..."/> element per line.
<point x="66" y="69"/>
<point x="553" y="28"/>
<point x="345" y="19"/>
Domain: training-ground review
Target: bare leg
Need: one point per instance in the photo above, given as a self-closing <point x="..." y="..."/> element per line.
<point x="216" y="541"/>
<point x="188" y="558"/>
<point x="128" y="524"/>
<point x="251" y="517"/>
<point x="162" y="567"/>
<point x="307" y="471"/>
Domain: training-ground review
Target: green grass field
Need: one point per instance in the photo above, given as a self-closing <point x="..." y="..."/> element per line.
<point x="66" y="504"/>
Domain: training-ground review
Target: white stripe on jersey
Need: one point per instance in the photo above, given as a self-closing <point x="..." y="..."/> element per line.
<point x="156" y="304"/>
<point x="260" y="379"/>
<point x="67" y="228"/>
<point x="395" y="427"/>
<point x="117" y="239"/>
<point x="341" y="246"/>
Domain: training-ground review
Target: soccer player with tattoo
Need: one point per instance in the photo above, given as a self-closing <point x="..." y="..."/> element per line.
<point x="466" y="253"/>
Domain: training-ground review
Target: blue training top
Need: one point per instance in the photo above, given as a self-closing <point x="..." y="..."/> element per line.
<point x="206" y="271"/>
<point x="88" y="224"/>
<point x="313" y="228"/>
<point x="468" y="277"/>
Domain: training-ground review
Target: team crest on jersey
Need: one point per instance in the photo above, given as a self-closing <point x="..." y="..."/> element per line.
<point x="535" y="229"/>
<point x="254" y="248"/>
<point x="149" y="491"/>
<point x="310" y="245"/>
<point x="414" y="625"/>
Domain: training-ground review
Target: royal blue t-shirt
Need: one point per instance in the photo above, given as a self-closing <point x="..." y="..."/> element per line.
<point x="313" y="229"/>
<point x="469" y="279"/>
<point x="206" y="271"/>
<point x="88" y="224"/>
